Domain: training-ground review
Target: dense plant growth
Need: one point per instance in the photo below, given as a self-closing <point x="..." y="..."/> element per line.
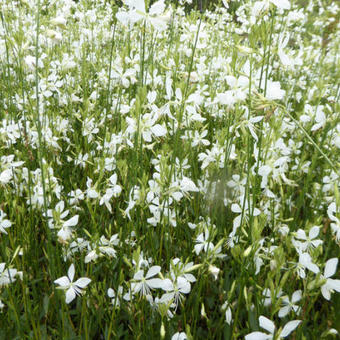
<point x="168" y="173"/>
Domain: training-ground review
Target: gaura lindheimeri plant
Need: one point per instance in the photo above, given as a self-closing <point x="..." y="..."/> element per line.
<point x="72" y="288"/>
<point x="269" y="326"/>
<point x="185" y="158"/>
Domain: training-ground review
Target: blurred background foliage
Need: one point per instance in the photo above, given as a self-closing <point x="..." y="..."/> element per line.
<point x="212" y="4"/>
<point x="189" y="5"/>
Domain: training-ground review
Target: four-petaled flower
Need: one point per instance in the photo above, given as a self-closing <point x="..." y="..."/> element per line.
<point x="269" y="326"/>
<point x="72" y="288"/>
<point x="310" y="241"/>
<point x="203" y="242"/>
<point x="144" y="284"/>
<point x="289" y="305"/>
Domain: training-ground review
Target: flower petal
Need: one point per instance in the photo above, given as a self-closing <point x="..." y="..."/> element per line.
<point x="334" y="284"/>
<point x="183" y="285"/>
<point x="297" y="295"/>
<point x="139" y="275"/>
<point x="157" y="8"/>
<point x="154" y="270"/>
<point x="236" y="208"/>
<point x="70" y="295"/>
<point x="330" y="267"/>
<point x="72" y="221"/>
<point x="6" y="176"/>
<point x="137" y="4"/>
<point x="289" y="327"/>
<point x="70" y="272"/>
<point x="167" y="285"/>
<point x="258" y="336"/>
<point x="167" y="297"/>
<point x="300" y="234"/>
<point x="284" y="311"/>
<point x="63" y="281"/>
<point x="313" y="267"/>
<point x="82" y="282"/>
<point x="326" y="292"/>
<point x="267" y="324"/>
<point x="158" y="130"/>
<point x="188" y="185"/>
<point x="155" y="283"/>
<point x="283" y="4"/>
<point x="314" y="232"/>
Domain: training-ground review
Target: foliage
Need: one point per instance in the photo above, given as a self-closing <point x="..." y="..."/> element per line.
<point x="167" y="172"/>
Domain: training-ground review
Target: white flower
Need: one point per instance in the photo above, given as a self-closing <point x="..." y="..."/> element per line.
<point x="91" y="191"/>
<point x="226" y="98"/>
<point x="8" y="276"/>
<point x="143" y="284"/>
<point x="147" y="126"/>
<point x="65" y="231"/>
<point x="290" y="304"/>
<point x="274" y="91"/>
<point x="81" y="160"/>
<point x="285" y="58"/>
<point x="91" y="256"/>
<point x="236" y="208"/>
<point x="214" y="271"/>
<point x="305" y="261"/>
<point x="203" y="242"/>
<point x="106" y="246"/>
<point x="267" y="301"/>
<point x="55" y="37"/>
<point x="283" y="4"/>
<point x="89" y="128"/>
<point x="310" y="241"/>
<point x="320" y="119"/>
<point x="336" y="140"/>
<point x="178" y="269"/>
<point x="188" y="185"/>
<point x="179" y="336"/>
<point x="72" y="288"/>
<point x="5" y="176"/>
<point x="261" y="6"/>
<point x="269" y="326"/>
<point x="30" y="61"/>
<point x="228" y="313"/>
<point x="331" y="284"/>
<point x="113" y="190"/>
<point x="57" y="215"/>
<point x="174" y="290"/>
<point x="115" y="298"/>
<point x="198" y="139"/>
<point x="59" y="21"/>
<point x="335" y="225"/>
<point x="133" y="198"/>
<point x="137" y="12"/>
<point x="4" y="223"/>
<point x="75" y="196"/>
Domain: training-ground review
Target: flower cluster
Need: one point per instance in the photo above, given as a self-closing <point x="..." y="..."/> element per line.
<point x="186" y="163"/>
